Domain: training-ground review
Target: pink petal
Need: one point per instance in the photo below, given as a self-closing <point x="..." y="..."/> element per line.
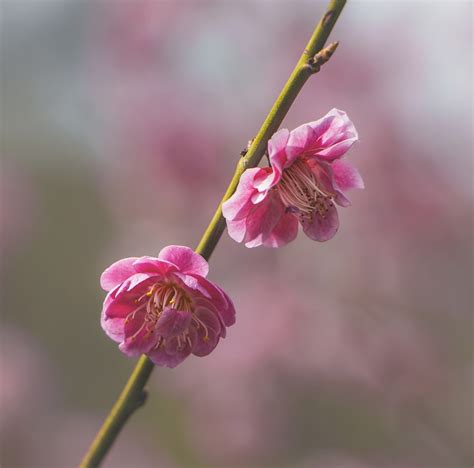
<point x="119" y="308"/>
<point x="208" y="332"/>
<point x="173" y="322"/>
<point x="346" y="176"/>
<point x="284" y="232"/>
<point x="161" y="358"/>
<point x="154" y="265"/>
<point x="239" y="204"/>
<point x="337" y="150"/>
<point x="185" y="259"/>
<point x="229" y="314"/>
<point x="140" y="336"/>
<point x="270" y="176"/>
<point x="236" y="229"/>
<point x="135" y="281"/>
<point x="333" y="135"/>
<point x="117" y="273"/>
<point x="113" y="327"/>
<point x="205" y="344"/>
<point x="333" y="123"/>
<point x="322" y="125"/>
<point x="218" y="298"/>
<point x="299" y="140"/>
<point x="120" y="303"/>
<point x="323" y="172"/>
<point x="262" y="219"/>
<point x="187" y="280"/>
<point x="177" y="346"/>
<point x="277" y="143"/>
<point x="342" y="200"/>
<point x="277" y="156"/>
<point x="322" y="229"/>
<point x="209" y="318"/>
<point x="340" y="128"/>
<point x="256" y="242"/>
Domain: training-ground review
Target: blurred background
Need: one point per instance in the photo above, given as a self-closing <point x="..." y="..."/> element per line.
<point x="121" y="124"/>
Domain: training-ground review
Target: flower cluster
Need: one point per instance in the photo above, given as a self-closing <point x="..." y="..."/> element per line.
<point x="304" y="182"/>
<point x="166" y="308"/>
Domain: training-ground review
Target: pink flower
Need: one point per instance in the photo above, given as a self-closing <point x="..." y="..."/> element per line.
<point x="306" y="179"/>
<point x="164" y="307"/>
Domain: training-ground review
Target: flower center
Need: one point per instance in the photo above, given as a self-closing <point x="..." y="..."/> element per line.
<point x="159" y="297"/>
<point x="300" y="192"/>
<point x="163" y="295"/>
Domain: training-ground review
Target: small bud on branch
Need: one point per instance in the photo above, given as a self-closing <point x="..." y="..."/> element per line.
<point x="316" y="62"/>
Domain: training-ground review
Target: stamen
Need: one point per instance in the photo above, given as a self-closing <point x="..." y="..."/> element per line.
<point x="158" y="343"/>
<point x="132" y="314"/>
<point x="200" y="323"/>
<point x="300" y="193"/>
<point x="135" y="335"/>
<point x="180" y="344"/>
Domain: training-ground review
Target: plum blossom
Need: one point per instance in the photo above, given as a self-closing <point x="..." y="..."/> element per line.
<point x="164" y="307"/>
<point x="304" y="182"/>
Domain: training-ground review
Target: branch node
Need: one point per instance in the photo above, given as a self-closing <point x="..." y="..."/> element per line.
<point x="315" y="63"/>
<point x="244" y="152"/>
<point x="142" y="398"/>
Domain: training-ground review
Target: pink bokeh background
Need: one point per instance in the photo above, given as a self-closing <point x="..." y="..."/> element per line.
<point x="121" y="125"/>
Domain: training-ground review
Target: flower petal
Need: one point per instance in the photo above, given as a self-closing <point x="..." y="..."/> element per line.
<point x="154" y="265"/>
<point x="214" y="295"/>
<point x="173" y="322"/>
<point x="161" y="358"/>
<point x="120" y="303"/>
<point x="205" y="343"/>
<point x="135" y="281"/>
<point x="185" y="259"/>
<point x="208" y="331"/>
<point x="236" y="229"/>
<point x="140" y="336"/>
<point x="322" y="228"/>
<point x="333" y="135"/>
<point x="277" y="143"/>
<point x="342" y="200"/>
<point x="240" y="203"/>
<point x="113" y="327"/>
<point x="117" y="273"/>
<point x="258" y="222"/>
<point x="323" y="172"/>
<point x="277" y="156"/>
<point x="300" y="138"/>
<point x="337" y="150"/>
<point x="262" y="219"/>
<point x="284" y="232"/>
<point x="346" y="176"/>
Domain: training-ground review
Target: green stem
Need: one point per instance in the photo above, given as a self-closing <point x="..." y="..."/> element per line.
<point x="133" y="395"/>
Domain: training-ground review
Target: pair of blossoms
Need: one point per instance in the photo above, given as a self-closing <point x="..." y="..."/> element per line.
<point x="165" y="307"/>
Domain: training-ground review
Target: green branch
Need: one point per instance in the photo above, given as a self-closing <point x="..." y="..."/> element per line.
<point x="133" y="395"/>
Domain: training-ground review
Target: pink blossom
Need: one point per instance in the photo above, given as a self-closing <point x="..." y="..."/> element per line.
<point x="164" y="307"/>
<point x="306" y="179"/>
